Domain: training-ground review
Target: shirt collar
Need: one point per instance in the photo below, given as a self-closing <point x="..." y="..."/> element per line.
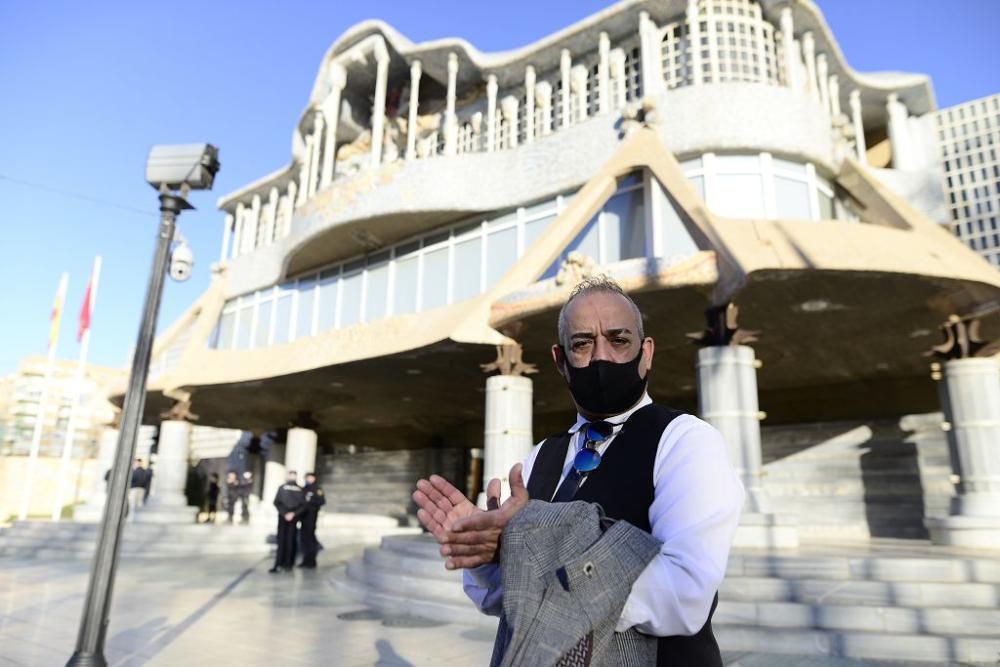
<point x="615" y="420"/>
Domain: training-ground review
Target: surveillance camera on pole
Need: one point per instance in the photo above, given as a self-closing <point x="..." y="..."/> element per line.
<point x="173" y="170"/>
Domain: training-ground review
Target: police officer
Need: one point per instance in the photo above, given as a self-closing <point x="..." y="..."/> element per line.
<point x="289" y="500"/>
<point x="314" y="499"/>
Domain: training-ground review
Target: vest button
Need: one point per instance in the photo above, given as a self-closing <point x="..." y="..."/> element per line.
<point x="588" y="569"/>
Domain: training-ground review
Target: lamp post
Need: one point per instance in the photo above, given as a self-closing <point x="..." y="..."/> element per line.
<point x="168" y="169"/>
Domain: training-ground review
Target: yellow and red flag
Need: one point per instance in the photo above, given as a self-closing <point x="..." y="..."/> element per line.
<point x="89" y="297"/>
<point x="57" y="309"/>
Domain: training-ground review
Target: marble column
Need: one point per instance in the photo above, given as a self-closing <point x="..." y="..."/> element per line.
<point x="337" y="78"/>
<point x="903" y="154"/>
<point x="529" y="104"/>
<point x="859" y="127"/>
<point x="694" y="40"/>
<point x="543" y="93"/>
<point x="411" y="123"/>
<point x="603" y="74"/>
<point x="274" y="477"/>
<point x="167" y="501"/>
<point x="788" y="49"/>
<point x="450" y="120"/>
<point x="565" y="65"/>
<point x="300" y="452"/>
<point x="508" y="107"/>
<point x="227" y="232"/>
<point x="507" y="437"/>
<point x="378" y="107"/>
<point x="972" y="397"/>
<point x="93" y="509"/>
<point x="491" y="113"/>
<point x="809" y="56"/>
<point x="727" y="399"/>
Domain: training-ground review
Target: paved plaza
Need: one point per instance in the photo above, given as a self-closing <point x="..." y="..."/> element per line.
<point x="229" y="611"/>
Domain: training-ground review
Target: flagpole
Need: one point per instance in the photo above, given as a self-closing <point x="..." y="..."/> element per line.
<point x="36" y="438"/>
<point x="81" y="371"/>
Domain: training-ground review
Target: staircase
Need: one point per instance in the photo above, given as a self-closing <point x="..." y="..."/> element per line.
<point x="891" y="600"/>
<point x="854" y="481"/>
<point x="45" y="539"/>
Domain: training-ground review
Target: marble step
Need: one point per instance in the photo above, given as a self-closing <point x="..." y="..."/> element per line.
<point x="869" y="593"/>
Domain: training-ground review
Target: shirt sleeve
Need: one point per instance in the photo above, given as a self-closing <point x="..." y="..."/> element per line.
<point x="696" y="508"/>
<point x="484" y="585"/>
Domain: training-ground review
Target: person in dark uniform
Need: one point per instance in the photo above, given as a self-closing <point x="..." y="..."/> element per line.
<point x="314" y="499"/>
<point x="246" y="486"/>
<point x="289" y="500"/>
<point x="213" y="497"/>
<point x="232" y="493"/>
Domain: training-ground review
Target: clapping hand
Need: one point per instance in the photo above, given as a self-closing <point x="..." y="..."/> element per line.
<point x="469" y="536"/>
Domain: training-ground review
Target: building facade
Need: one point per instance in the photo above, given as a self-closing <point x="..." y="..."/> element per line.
<point x="440" y="203"/>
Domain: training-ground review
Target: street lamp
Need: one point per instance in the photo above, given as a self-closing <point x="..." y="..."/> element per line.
<point x="173" y="171"/>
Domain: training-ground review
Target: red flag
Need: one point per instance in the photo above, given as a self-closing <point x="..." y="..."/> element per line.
<point x="84" y="313"/>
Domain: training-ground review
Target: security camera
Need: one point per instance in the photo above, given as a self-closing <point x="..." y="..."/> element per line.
<point x="181" y="261"/>
<point x="187" y="166"/>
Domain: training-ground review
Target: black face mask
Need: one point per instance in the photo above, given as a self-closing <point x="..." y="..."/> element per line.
<point x="606" y="387"/>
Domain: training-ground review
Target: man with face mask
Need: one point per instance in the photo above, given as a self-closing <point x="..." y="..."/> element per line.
<point x="663" y="471"/>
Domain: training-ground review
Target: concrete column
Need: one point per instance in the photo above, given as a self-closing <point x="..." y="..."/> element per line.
<point x="603" y="74"/>
<point x="237" y="232"/>
<point x="727" y="399"/>
<point x="651" y="56"/>
<point x="93" y="510"/>
<point x="694" y="41"/>
<point x="319" y="124"/>
<point x="337" y="77"/>
<point x="254" y="225"/>
<point x="274" y="477"/>
<point x="788" y="48"/>
<point x="809" y="56"/>
<point x="824" y="82"/>
<point x="411" y="123"/>
<point x="167" y="502"/>
<point x="543" y="91"/>
<point x="508" y="107"/>
<point x="565" y="65"/>
<point x="300" y="452"/>
<point x="972" y="394"/>
<point x="491" y="113"/>
<point x="529" y="104"/>
<point x="303" y="186"/>
<point x="903" y="154"/>
<point x="272" y="218"/>
<point x="227" y="231"/>
<point x="507" y="436"/>
<point x="618" y="77"/>
<point x="834" y="88"/>
<point x="578" y="87"/>
<point x="378" y="108"/>
<point x="450" y="120"/>
<point x="859" y="127"/>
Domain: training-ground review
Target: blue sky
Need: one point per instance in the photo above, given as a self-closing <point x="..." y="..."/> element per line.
<point x="86" y="88"/>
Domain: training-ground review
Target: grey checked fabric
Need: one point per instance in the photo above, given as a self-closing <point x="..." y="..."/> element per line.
<point x="566" y="575"/>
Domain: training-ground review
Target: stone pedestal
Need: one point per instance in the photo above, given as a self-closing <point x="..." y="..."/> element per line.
<point x="167" y="502"/>
<point x="727" y="399"/>
<point x="300" y="453"/>
<point x="274" y="477"/>
<point x="507" y="435"/>
<point x="971" y="394"/>
<point x="93" y="510"/>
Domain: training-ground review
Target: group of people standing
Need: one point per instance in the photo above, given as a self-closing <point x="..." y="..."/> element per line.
<point x="237" y="491"/>
<point x="298" y="509"/>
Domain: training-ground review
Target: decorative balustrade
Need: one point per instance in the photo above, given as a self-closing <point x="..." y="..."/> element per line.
<point x="713" y="42"/>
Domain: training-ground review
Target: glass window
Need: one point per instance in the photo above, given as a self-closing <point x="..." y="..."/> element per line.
<point x="677" y="242"/>
<point x="541" y="209"/>
<point x="468" y="262"/>
<point x="243" y="331"/>
<point x="307" y="298"/>
<point x="327" y="318"/>
<point x="587" y="241"/>
<point x="407" y="249"/>
<point x="737" y="196"/>
<point x="227" y="323"/>
<point x="691" y="165"/>
<point x="699" y="184"/>
<point x="377" y="289"/>
<point x="435" y="290"/>
<point x="502" y="220"/>
<point x="825" y="206"/>
<point x="501" y="254"/>
<point x="791" y="199"/>
<point x="405" y="293"/>
<point x="737" y="164"/>
<point x="624" y="227"/>
<point x="350" y="298"/>
<point x="534" y="229"/>
<point x="792" y="168"/>
<point x="282" y="318"/>
<point x="263" y="322"/>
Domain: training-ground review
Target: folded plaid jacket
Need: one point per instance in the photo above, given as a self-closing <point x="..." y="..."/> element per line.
<point x="567" y="572"/>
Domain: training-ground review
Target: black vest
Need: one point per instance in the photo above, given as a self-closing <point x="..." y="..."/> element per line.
<point x="623" y="486"/>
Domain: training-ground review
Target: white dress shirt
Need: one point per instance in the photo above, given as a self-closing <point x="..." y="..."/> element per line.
<point x="697" y="498"/>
